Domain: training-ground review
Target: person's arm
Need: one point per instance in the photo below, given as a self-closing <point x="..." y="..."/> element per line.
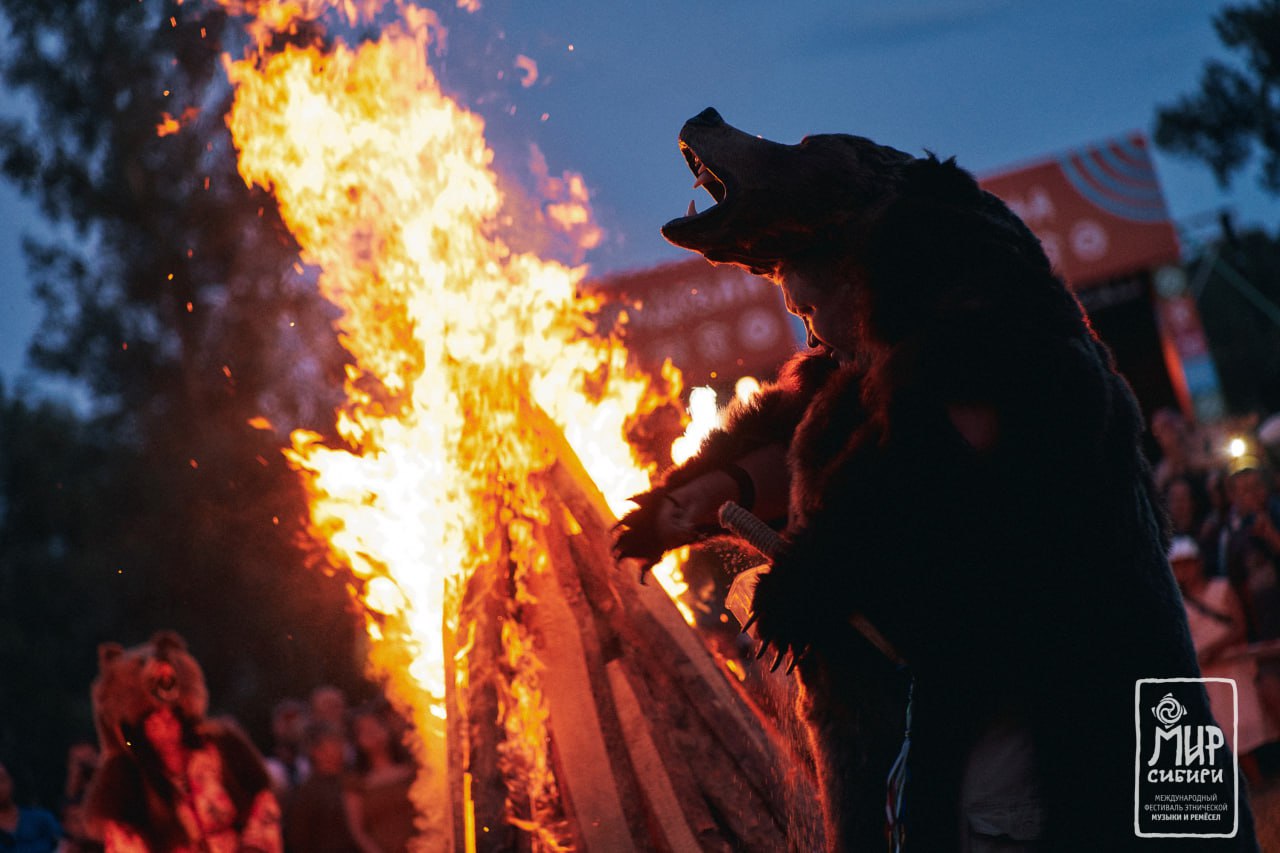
<point x="771" y="478"/>
<point x="760" y="483"/>
<point x="118" y="838"/>
<point x="1265" y="530"/>
<point x="1226" y="635"/>
<point x="262" y="829"/>
<point x="353" y="805"/>
<point x="689" y="496"/>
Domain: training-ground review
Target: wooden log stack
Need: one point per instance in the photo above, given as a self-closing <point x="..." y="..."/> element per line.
<point x="652" y="746"/>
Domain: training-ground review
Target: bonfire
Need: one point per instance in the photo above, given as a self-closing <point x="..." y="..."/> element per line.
<point x="555" y="703"/>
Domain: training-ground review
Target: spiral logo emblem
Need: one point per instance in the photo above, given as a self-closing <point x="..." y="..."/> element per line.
<point x="1168" y="710"/>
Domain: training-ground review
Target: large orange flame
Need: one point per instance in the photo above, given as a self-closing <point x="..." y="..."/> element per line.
<point x="457" y="341"/>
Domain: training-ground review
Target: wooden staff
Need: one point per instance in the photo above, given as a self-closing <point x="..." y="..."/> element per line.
<point x="766" y="540"/>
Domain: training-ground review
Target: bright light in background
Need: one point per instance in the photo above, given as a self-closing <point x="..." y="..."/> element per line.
<point x="1237" y="447"/>
<point x="746" y="389"/>
<point x="704" y="417"/>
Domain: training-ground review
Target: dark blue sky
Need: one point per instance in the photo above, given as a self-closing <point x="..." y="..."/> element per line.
<point x="993" y="82"/>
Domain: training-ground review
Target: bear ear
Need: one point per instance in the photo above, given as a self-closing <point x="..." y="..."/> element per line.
<point x="108" y="652"/>
<point x="941" y="180"/>
<point x="168" y="641"/>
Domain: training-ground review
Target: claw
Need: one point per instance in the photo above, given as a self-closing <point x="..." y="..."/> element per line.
<point x="795" y="659"/>
<point x="777" y="660"/>
<point x="644" y="570"/>
<point x="764" y="646"/>
<point x="751" y="620"/>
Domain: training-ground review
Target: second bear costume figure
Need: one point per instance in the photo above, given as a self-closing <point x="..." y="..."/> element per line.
<point x="172" y="781"/>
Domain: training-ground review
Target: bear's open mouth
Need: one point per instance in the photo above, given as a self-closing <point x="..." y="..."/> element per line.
<point x="705" y="177"/>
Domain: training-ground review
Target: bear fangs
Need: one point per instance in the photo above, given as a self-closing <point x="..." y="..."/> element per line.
<point x="711" y="183"/>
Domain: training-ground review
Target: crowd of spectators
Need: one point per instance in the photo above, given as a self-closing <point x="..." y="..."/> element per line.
<point x="30" y="829"/>
<point x="341" y="777"/>
<point x="1223" y="509"/>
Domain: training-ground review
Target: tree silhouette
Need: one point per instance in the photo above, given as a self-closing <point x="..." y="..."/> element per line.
<point x="171" y="294"/>
<point x="1237" y="284"/>
<point x="1236" y="112"/>
<point x="1233" y="119"/>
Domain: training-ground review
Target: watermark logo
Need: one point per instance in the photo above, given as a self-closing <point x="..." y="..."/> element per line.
<point x="1186" y="765"/>
<point x="1169" y="710"/>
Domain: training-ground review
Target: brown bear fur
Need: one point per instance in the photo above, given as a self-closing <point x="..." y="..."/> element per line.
<point x="129" y="788"/>
<point x="133" y="682"/>
<point x="1025" y="577"/>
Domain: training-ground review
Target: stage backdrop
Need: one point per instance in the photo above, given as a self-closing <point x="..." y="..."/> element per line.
<point x="1101" y="216"/>
<point x="715" y="323"/>
<point x="1098" y="210"/>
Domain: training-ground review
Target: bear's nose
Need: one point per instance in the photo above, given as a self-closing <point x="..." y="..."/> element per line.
<point x="708" y="118"/>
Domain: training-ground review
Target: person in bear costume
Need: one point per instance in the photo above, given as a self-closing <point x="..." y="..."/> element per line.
<point x="171" y="780"/>
<point x="956" y="459"/>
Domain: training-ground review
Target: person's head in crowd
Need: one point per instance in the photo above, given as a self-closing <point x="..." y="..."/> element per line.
<point x="289" y="725"/>
<point x="34" y="830"/>
<point x="1185" y="560"/>
<point x="329" y="705"/>
<point x="326" y="748"/>
<point x="6" y="788"/>
<point x="378" y="737"/>
<point x="1169" y="429"/>
<point x="1249" y="491"/>
<point x="1215" y="485"/>
<point x="82" y="761"/>
<point x="1182" y="501"/>
<point x="1268" y="434"/>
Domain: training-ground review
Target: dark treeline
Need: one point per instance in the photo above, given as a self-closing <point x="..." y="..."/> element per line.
<point x="171" y="298"/>
<point x="1237" y="280"/>
<point x="1232" y="125"/>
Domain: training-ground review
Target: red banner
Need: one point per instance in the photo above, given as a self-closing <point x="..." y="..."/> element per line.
<point x="715" y="323"/>
<point x="1099" y="211"/>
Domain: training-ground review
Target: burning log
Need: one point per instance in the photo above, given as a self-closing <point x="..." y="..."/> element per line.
<point x="652" y="747"/>
<point x="484" y="607"/>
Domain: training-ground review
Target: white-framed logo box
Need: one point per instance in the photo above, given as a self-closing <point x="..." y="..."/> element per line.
<point x="1235" y="758"/>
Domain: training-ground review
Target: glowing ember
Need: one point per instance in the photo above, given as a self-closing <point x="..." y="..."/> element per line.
<point x="169" y="125"/>
<point x="460" y="344"/>
<point x="528" y="69"/>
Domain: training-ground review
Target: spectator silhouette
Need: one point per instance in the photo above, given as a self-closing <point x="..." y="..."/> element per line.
<point x="1244" y="547"/>
<point x="379" y="812"/>
<point x="1179" y="456"/>
<point x="314" y="816"/>
<point x="287" y="762"/>
<point x="1185" y="501"/>
<point x="329" y="705"/>
<point x="24" y="830"/>
<point x="1217" y="622"/>
<point x="82" y="763"/>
